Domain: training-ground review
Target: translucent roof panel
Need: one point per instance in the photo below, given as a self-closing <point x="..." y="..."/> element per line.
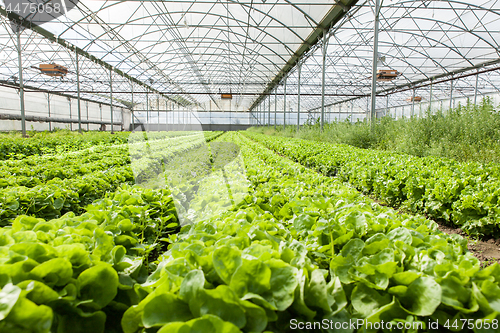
<point x="421" y="40"/>
<point x="191" y="51"/>
<point x="192" y="48"/>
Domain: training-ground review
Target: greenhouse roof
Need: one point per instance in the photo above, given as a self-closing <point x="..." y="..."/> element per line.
<point x="191" y="51"/>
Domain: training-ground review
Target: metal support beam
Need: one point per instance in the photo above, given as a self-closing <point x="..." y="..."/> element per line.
<point x="87" y="109"/>
<point x="257" y="120"/>
<point x="263" y="112"/>
<point x="374" y="63"/>
<point x="266" y="104"/>
<point x="133" y="105"/>
<point x="6" y="116"/>
<point x="338" y="10"/>
<point x="70" y="115"/>
<point x="412" y="104"/>
<point x="78" y="92"/>
<point x="298" y="97"/>
<point x="284" y="104"/>
<point x="147" y="112"/>
<point x="269" y="111"/>
<point x="259" y="112"/>
<point x="26" y="23"/>
<point x="323" y="82"/>
<point x="475" y="89"/>
<point x="111" y="96"/>
<point x="430" y="98"/>
<point x="352" y="111"/>
<point x="451" y="94"/>
<point x="48" y="106"/>
<point x="275" y="106"/>
<point x="21" y="82"/>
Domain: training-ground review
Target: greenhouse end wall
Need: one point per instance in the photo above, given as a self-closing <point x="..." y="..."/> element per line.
<point x="37" y="104"/>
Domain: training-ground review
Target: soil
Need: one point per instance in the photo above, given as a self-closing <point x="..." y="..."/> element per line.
<point x="487" y="251"/>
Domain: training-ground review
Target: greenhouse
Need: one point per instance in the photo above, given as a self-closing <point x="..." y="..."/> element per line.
<point x="222" y="166"/>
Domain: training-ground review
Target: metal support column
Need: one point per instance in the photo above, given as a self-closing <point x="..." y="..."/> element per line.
<point x="284" y="105"/>
<point x="48" y="106"/>
<point x="374" y="63"/>
<point x="87" y="110"/>
<point x="111" y="97"/>
<point x="263" y="112"/>
<point x="258" y="115"/>
<point x="412" y="104"/>
<point x="147" y="111"/>
<point x="451" y="94"/>
<point x="352" y="110"/>
<point x="158" y="105"/>
<point x="132" y="108"/>
<point x="275" y="105"/>
<point x="70" y="114"/>
<point x="323" y="82"/>
<point x="430" y="99"/>
<point x="78" y="92"/>
<point x="269" y="111"/>
<point x="259" y="122"/>
<point x="21" y="82"/>
<point x="475" y="89"/>
<point x="298" y="97"/>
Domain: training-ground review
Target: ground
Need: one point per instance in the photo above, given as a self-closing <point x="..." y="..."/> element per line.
<point x="487" y="251"/>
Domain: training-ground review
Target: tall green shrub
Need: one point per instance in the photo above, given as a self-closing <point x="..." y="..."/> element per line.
<point x="465" y="133"/>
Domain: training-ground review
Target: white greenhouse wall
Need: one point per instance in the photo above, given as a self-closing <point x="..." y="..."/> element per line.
<point x="37" y="104"/>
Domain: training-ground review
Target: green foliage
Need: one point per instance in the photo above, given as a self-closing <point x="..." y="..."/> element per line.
<point x="264" y="263"/>
<point x="300" y="246"/>
<point x="466" y="133"/>
<point x="462" y="193"/>
<point x="50" y="186"/>
<point x="65" y="274"/>
<point x="13" y="146"/>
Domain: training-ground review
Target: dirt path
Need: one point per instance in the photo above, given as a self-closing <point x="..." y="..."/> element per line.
<point x="487" y="252"/>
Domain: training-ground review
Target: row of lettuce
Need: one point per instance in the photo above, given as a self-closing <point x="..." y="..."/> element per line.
<point x="14" y="146"/>
<point x="297" y="249"/>
<point x="466" y="194"/>
<point x="51" y="185"/>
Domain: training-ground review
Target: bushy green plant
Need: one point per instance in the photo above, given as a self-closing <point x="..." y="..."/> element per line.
<point x="468" y="132"/>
